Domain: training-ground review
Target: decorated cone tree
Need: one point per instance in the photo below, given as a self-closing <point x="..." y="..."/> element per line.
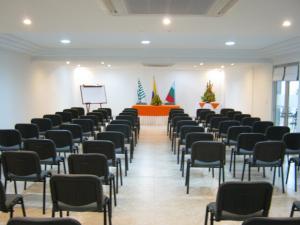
<point x="209" y="95"/>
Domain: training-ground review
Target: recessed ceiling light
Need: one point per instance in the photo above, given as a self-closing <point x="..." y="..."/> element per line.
<point x="65" y="41"/>
<point x="222" y="66"/>
<point x="232" y="64"/>
<point x="145" y="42"/>
<point x="286" y="23"/>
<point x="67" y="62"/>
<point x="27" y="21"/>
<point x="166" y="21"/>
<point x="201" y="64"/>
<point x="78" y="65"/>
<point x="102" y="63"/>
<point x="229" y="43"/>
<point x="195" y="66"/>
<point x="108" y="65"/>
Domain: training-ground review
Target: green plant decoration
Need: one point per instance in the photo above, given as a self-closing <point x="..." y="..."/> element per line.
<point x="209" y="95"/>
<point x="156" y="100"/>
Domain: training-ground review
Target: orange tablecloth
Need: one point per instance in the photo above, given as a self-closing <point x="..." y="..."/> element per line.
<point x="150" y="110"/>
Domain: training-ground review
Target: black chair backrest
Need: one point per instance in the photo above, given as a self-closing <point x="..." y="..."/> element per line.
<point x="172" y="111"/>
<point x="87" y="125"/>
<point x="74" y="112"/>
<point x="225" y="124"/>
<point x="247" y="141"/>
<point x="2" y="198"/>
<point x="119" y="121"/>
<point x="239" y="117"/>
<point x="104" y="113"/>
<point x="231" y="114"/>
<point x="76" y="190"/>
<point x="243" y="198"/>
<point x="114" y="136"/>
<point x="94" y="118"/>
<point x="276" y="133"/>
<point x="42" y="221"/>
<point x="100" y="116"/>
<point x="224" y="111"/>
<point x="269" y="151"/>
<point x="208" y="151"/>
<point x="192" y="137"/>
<point x="91" y="163"/>
<point x="27" y="130"/>
<point x="199" y="111"/>
<point x="188" y="129"/>
<point x="261" y="126"/>
<point x="210" y="115"/>
<point x="55" y="119"/>
<point x="20" y="163"/>
<point x="109" y="111"/>
<point x="216" y="120"/>
<point x="127" y="117"/>
<point x="203" y="114"/>
<point x="292" y="141"/>
<point x="272" y="221"/>
<point x="129" y="113"/>
<point x="181" y="123"/>
<point x="61" y="138"/>
<point x="45" y="148"/>
<point x="234" y="131"/>
<point x="66" y="116"/>
<point x="80" y="110"/>
<point x="249" y="121"/>
<point x="125" y="129"/>
<point x="104" y="147"/>
<point x="9" y="138"/>
<point x="178" y="118"/>
<point x="43" y="124"/>
<point x="75" y="129"/>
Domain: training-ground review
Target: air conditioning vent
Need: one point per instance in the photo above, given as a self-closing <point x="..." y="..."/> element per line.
<point x="171" y="7"/>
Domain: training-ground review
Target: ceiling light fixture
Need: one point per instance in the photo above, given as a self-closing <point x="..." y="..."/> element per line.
<point x="222" y="67"/>
<point x="102" y="63"/>
<point x="286" y="23"/>
<point x="108" y="65"/>
<point x="166" y="21"/>
<point x="232" y="64"/>
<point x="65" y="41"/>
<point x="68" y="62"/>
<point x="78" y="65"/>
<point x="27" y="21"/>
<point x="229" y="43"/>
<point x="201" y="64"/>
<point x="195" y="66"/>
<point x="145" y="42"/>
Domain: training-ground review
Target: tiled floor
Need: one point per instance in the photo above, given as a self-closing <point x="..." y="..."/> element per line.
<point x="154" y="191"/>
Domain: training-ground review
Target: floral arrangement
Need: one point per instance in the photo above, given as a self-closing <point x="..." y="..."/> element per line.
<point x="209" y="95"/>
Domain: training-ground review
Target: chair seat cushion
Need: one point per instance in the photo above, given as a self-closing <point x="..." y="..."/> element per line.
<point x="198" y="163"/>
<point x="289" y="151"/>
<point x="52" y="161"/>
<point x="64" y="149"/>
<point x="31" y="177"/>
<point x="243" y="151"/>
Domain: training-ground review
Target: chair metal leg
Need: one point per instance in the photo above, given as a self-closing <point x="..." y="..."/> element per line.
<point x="234" y="158"/>
<point x="117" y="176"/>
<point x="121" y="175"/>
<point x="60" y="213"/>
<point x="110" y="189"/>
<point x="288" y="172"/>
<point x="223" y="173"/>
<point x="68" y="213"/>
<point x="109" y="213"/>
<point x="11" y="213"/>
<point x="295" y="176"/>
<point x="15" y="185"/>
<point x="282" y="178"/>
<point x="211" y="218"/>
<point x="188" y="167"/>
<point x="292" y="210"/>
<point x="274" y="175"/>
<point x="23" y="207"/>
<point x="25" y="185"/>
<point x="206" y="216"/>
<point x="104" y="216"/>
<point x="126" y="163"/>
<point x="58" y="168"/>
<point x="44" y="196"/>
<point x="243" y="172"/>
<point x="53" y="213"/>
<point x="114" y="191"/>
<point x="213" y="172"/>
<point x="64" y="165"/>
<point x="182" y="163"/>
<point x="264" y="172"/>
<point x="178" y="151"/>
<point x="220" y="174"/>
<point x="231" y="156"/>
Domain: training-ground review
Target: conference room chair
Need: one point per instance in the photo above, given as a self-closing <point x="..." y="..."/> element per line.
<point x="100" y="116"/>
<point x="261" y="126"/>
<point x="272" y="221"/>
<point x="76" y="131"/>
<point x="215" y="123"/>
<point x="104" y="113"/>
<point x="249" y="121"/>
<point x="224" y="126"/>
<point x="231" y="114"/>
<point x="238" y="201"/>
<point x="63" y="141"/>
<point x="173" y="115"/>
<point x="203" y="114"/>
<point x="106" y="148"/>
<point x="224" y="111"/>
<point x="94" y="164"/>
<point x="296" y="162"/>
<point x="184" y="130"/>
<point x="209" y="117"/>
<point x="133" y="123"/>
<point x="87" y="127"/>
<point x="10" y="140"/>
<point x="190" y="138"/>
<point x="198" y="114"/>
<point x="233" y="133"/>
<point x="295" y="208"/>
<point x="244" y="146"/>
<point x="55" y="119"/>
<point x="109" y="112"/>
<point x="118" y="139"/>
<point x="8" y="202"/>
<point x="44" y="124"/>
<point x="46" y="150"/>
<point x="276" y="133"/>
<point x="79" y="193"/>
<point x="73" y="112"/>
<point x="42" y="221"/>
<point x="80" y="110"/>
<point x="174" y="123"/>
<point x="206" y="154"/>
<point x="95" y="119"/>
<point x="128" y="123"/>
<point x="176" y="133"/>
<point x="239" y="117"/>
<point x="170" y="117"/>
<point x="66" y="116"/>
<point x="136" y="119"/>
<point x="266" y="154"/>
<point x="27" y="130"/>
<point x="24" y="166"/>
<point x="126" y="130"/>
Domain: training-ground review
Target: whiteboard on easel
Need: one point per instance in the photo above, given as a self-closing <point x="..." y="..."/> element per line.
<point x="93" y="94"/>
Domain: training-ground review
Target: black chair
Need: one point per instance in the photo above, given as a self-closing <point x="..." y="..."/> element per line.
<point x="203" y="114"/>
<point x="104" y="114"/>
<point x="73" y="112"/>
<point x="206" y="154"/>
<point x="106" y="148"/>
<point x="118" y="139"/>
<point x="28" y="130"/>
<point x="244" y="146"/>
<point x="272" y="221"/>
<point x="80" y="110"/>
<point x="233" y="133"/>
<point x="42" y="221"/>
<point x="8" y="202"/>
<point x="10" y="140"/>
<point x="43" y="124"/>
<point x="76" y="131"/>
<point x="183" y="131"/>
<point x="176" y="117"/>
<point x="109" y="112"/>
<point x="126" y="122"/>
<point x="231" y="114"/>
<point x="209" y="117"/>
<point x="55" y="119"/>
<point x="80" y="193"/>
<point x="215" y="121"/>
<point x="267" y="154"/>
<point x="198" y="114"/>
<point x="66" y="116"/>
<point x="224" y="126"/>
<point x="46" y="150"/>
<point x="87" y="126"/>
<point x="224" y="111"/>
<point x="100" y="117"/>
<point x="249" y="121"/>
<point x="261" y="126"/>
<point x="190" y="138"/>
<point x="24" y="166"/>
<point x="239" y="117"/>
<point x="63" y="140"/>
<point x="133" y="122"/>
<point x="170" y="117"/>
<point x="239" y="201"/>
<point x="94" y="164"/>
<point x="276" y="133"/>
<point x="95" y="119"/>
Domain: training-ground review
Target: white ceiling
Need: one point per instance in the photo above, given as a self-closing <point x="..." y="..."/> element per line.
<point x="255" y="25"/>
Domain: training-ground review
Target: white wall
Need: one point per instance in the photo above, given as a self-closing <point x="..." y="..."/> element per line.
<point x="31" y="89"/>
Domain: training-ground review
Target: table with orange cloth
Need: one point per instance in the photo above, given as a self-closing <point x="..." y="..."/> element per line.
<point x="151" y="110"/>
